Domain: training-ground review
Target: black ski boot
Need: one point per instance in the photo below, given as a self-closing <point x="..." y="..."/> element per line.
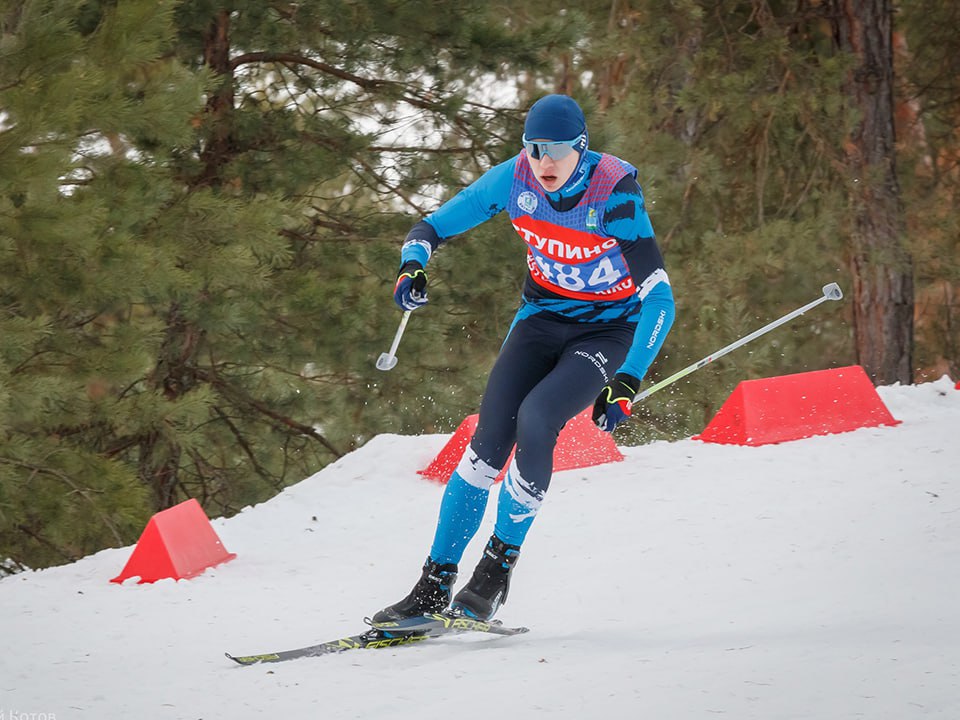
<point x="431" y="594"/>
<point x="487" y="589"/>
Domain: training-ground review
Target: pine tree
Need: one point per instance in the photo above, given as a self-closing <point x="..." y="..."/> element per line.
<point x="77" y="199"/>
<point x="366" y="116"/>
<point x="928" y="151"/>
<point x="202" y="210"/>
<point x="201" y="206"/>
<point x="744" y="119"/>
<point x="733" y="113"/>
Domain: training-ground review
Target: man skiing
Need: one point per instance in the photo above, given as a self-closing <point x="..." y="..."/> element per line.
<point x="595" y="310"/>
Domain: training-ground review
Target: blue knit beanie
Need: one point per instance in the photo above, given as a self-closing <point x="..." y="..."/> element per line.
<point x="555" y="117"/>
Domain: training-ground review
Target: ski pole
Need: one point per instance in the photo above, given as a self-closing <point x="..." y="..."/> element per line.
<point x="388" y="360"/>
<point x="830" y="292"/>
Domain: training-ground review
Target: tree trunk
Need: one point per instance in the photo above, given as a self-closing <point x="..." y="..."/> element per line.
<point x="176" y="370"/>
<point x="219" y="148"/>
<point x="175" y="375"/>
<point x="880" y="262"/>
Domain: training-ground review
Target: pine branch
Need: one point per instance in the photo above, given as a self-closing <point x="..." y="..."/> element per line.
<point x="248" y="451"/>
<point x="69" y="557"/>
<point x="67" y="480"/>
<point x="411" y="95"/>
<point x="392" y="188"/>
<point x="233" y="392"/>
<point x="295" y="59"/>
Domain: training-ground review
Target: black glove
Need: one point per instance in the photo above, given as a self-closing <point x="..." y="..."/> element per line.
<point x="615" y="401"/>
<point x="410" y="292"/>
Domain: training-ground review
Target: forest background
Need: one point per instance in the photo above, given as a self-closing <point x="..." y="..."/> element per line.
<point x="202" y="203"/>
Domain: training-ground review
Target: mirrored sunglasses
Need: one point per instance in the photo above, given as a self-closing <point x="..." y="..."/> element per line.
<point x="556" y="149"/>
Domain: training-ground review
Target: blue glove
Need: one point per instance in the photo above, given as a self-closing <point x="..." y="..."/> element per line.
<point x="410" y="292"/>
<point x="615" y="401"/>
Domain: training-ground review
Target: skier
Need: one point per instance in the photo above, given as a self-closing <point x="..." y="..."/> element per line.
<point x="595" y="310"/>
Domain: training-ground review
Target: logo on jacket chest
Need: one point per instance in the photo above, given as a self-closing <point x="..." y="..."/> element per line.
<point x="591" y="222"/>
<point x="527" y="201"/>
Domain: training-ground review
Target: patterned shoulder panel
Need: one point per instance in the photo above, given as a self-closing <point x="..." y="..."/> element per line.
<point x="610" y="170"/>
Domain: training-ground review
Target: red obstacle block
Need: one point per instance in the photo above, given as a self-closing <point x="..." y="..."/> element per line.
<point x="580" y="444"/>
<point x="790" y="407"/>
<point x="447" y="459"/>
<point x="177" y="543"/>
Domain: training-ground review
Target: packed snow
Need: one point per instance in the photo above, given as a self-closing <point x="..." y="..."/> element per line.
<point x="818" y="578"/>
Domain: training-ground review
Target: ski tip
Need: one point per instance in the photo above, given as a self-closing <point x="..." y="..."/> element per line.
<point x="252" y="659"/>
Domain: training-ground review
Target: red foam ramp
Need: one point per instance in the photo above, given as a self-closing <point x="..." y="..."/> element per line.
<point x="583" y="444"/>
<point x="448" y="458"/>
<point x="791" y="407"/>
<point x="177" y="543"/>
<point x="580" y="444"/>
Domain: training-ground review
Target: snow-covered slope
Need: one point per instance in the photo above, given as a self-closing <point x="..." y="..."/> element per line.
<point x="813" y="579"/>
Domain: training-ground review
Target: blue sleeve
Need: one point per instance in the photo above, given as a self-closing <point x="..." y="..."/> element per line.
<point x="625" y="218"/>
<point x="656" y="317"/>
<point x="476" y="203"/>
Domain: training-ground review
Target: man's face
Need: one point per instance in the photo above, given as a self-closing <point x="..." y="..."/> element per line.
<point x="553" y="174"/>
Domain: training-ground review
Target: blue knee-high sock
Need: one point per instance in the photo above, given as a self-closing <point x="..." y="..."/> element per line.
<point x="513" y="518"/>
<point x="461" y="512"/>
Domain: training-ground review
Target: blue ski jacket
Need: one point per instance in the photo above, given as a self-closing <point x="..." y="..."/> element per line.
<point x="591" y="251"/>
